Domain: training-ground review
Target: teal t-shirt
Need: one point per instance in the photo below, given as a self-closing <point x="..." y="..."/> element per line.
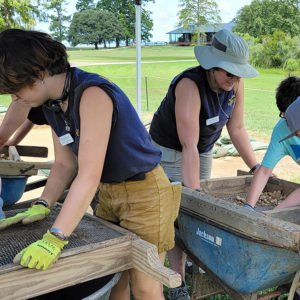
<point x="276" y="151"/>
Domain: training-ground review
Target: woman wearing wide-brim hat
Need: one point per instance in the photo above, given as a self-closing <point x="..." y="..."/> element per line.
<point x="199" y="103"/>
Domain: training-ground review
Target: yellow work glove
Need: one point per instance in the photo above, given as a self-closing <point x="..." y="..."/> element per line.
<point x="35" y="213"/>
<point x="42" y="253"/>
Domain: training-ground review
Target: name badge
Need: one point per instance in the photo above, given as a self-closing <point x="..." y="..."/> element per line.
<point x="212" y="120"/>
<point x="66" y="139"/>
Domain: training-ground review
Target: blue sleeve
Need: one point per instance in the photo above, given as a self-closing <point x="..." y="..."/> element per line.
<point x="276" y="151"/>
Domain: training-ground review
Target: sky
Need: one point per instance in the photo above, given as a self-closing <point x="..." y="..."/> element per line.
<point x="164" y="15"/>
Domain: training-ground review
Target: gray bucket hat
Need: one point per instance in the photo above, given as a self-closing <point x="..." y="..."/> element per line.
<point x="228" y="52"/>
<point x="292" y="114"/>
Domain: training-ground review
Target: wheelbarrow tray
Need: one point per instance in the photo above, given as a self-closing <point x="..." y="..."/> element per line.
<point x="247" y="250"/>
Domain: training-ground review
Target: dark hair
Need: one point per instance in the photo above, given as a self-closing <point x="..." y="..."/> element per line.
<point x="287" y="92"/>
<point x="24" y="54"/>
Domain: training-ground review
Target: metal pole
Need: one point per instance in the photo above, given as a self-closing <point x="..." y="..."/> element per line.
<point x="138" y="54"/>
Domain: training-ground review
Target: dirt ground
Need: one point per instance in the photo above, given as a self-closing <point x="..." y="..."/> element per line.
<point x="38" y="136"/>
<point x="222" y="167"/>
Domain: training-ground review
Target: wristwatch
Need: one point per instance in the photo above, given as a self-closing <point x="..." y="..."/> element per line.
<point x="42" y="202"/>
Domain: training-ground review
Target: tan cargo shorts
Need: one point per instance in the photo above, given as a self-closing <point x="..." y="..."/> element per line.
<point x="147" y="208"/>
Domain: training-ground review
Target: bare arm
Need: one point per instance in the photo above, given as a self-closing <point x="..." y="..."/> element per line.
<point x="96" y="116"/>
<point x="237" y="130"/>
<point x="187" y="110"/>
<point x="15" y="116"/>
<point x="20" y="133"/>
<point x="258" y="183"/>
<point x="292" y="200"/>
<point x="62" y="172"/>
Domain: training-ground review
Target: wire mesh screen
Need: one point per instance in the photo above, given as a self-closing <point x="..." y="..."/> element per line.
<point x="231" y="197"/>
<point x="13" y="239"/>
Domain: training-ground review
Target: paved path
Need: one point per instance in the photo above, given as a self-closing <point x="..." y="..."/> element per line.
<point x="80" y="64"/>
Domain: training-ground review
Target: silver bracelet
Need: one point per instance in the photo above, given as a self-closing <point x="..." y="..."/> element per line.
<point x="59" y="234"/>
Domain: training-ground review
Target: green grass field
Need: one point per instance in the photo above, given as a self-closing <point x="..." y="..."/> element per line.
<point x="261" y="112"/>
<point x="149" y="53"/>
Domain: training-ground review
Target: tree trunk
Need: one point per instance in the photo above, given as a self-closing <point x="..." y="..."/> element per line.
<point x="198" y="35"/>
<point x="104" y="44"/>
<point x="96" y="46"/>
<point x="117" y="42"/>
<point x="7" y="15"/>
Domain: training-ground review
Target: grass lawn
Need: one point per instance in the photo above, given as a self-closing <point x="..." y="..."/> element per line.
<point x="261" y="112"/>
<point x="149" y="53"/>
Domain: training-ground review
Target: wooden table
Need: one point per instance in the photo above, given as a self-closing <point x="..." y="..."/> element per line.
<point x="14" y="166"/>
<point x="117" y="250"/>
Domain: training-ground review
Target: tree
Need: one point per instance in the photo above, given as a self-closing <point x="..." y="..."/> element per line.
<point x="18" y="14"/>
<point x="94" y="26"/>
<point x="295" y="3"/>
<point x="278" y="50"/>
<point x="198" y="12"/>
<point x="58" y="19"/>
<point x="124" y="10"/>
<point x="147" y="25"/>
<point x="264" y="17"/>
<point x="85" y="4"/>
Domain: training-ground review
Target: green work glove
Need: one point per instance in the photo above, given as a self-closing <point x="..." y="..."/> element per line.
<point x="42" y="253"/>
<point x="35" y="213"/>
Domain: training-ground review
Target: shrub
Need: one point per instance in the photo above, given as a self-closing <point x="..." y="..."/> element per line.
<point x="278" y="50"/>
<point x="291" y="65"/>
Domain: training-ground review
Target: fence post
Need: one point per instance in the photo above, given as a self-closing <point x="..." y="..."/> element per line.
<point x="147" y="92"/>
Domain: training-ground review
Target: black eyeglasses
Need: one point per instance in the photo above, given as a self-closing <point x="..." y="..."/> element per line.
<point x="229" y="75"/>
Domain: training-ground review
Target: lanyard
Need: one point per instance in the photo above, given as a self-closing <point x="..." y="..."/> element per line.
<point x="67" y="124"/>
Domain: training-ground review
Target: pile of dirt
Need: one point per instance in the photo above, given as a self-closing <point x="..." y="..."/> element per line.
<point x="265" y="199"/>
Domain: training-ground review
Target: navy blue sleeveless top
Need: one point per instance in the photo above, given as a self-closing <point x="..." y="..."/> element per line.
<point x="130" y="151"/>
<point x="215" y="112"/>
<point x="36" y="116"/>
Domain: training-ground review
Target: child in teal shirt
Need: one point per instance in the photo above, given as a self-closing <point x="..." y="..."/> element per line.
<point x="285" y="140"/>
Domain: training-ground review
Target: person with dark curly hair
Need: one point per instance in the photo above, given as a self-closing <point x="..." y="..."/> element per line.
<point x="285" y="141"/>
<point x="99" y="143"/>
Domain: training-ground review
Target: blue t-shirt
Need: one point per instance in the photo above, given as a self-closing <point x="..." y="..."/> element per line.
<point x="276" y="151"/>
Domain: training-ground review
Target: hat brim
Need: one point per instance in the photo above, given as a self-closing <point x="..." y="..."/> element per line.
<point x="208" y="60"/>
<point x="287" y="137"/>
